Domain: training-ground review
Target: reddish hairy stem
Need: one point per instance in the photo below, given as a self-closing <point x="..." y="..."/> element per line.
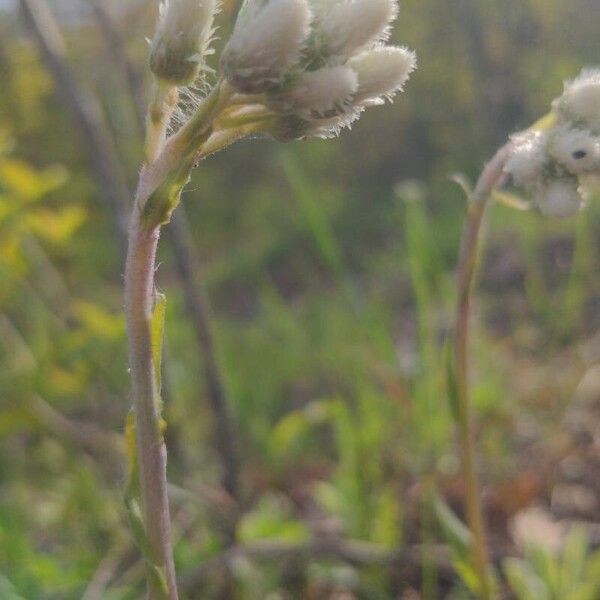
<point x="152" y="455"/>
<point x="469" y="250"/>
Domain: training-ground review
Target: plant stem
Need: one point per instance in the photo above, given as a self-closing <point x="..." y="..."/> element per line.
<point x="163" y="101"/>
<point x="152" y="456"/>
<point x="469" y="251"/>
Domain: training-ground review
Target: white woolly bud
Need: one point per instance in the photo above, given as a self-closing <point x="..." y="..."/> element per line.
<point x="182" y="39"/>
<point x="381" y="72"/>
<point x="527" y="160"/>
<point x="344" y="28"/>
<point x="326" y="92"/>
<point x="581" y="98"/>
<point x="559" y="198"/>
<point x="266" y="43"/>
<point x="576" y="149"/>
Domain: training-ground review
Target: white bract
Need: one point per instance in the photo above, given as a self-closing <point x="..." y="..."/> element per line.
<point x="557" y="163"/>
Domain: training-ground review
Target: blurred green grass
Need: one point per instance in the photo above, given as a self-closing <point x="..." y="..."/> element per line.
<point x="332" y="292"/>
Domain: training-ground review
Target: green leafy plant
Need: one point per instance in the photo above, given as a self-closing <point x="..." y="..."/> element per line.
<point x="573" y="573"/>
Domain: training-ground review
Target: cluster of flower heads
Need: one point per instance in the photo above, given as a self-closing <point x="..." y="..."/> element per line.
<point x="313" y="65"/>
<point x="556" y="163"/>
<point x="318" y="63"/>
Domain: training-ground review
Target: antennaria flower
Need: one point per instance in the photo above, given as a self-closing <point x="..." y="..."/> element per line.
<point x="314" y="65"/>
<point x="326" y="92"/>
<point x="581" y="99"/>
<point x="346" y="27"/>
<point x="558" y="163"/>
<point x="266" y="43"/>
<point x="576" y="149"/>
<point x="381" y="72"/>
<point x="183" y="35"/>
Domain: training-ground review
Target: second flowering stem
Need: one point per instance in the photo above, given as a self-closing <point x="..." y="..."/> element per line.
<point x="470" y="244"/>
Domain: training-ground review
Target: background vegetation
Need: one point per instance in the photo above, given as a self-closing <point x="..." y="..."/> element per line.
<point x="329" y="268"/>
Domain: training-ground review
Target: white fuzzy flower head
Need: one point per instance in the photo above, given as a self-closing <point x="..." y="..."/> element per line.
<point x="346" y="27"/>
<point x="528" y="158"/>
<point x="315" y="65"/>
<point x="559" y="198"/>
<point x="266" y="43"/>
<point x="182" y="39"/>
<point x="580" y="101"/>
<point x="382" y="71"/>
<point x="327" y="92"/>
<point x="576" y="149"/>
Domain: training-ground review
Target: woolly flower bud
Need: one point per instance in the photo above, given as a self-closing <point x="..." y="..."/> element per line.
<point x="266" y="43"/>
<point x="581" y="99"/>
<point x="527" y="160"/>
<point x="576" y="149"/>
<point x="559" y="198"/>
<point x="326" y="92"/>
<point x="346" y="27"/>
<point x="183" y="34"/>
<point x="381" y="72"/>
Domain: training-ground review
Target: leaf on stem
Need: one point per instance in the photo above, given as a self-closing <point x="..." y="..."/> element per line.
<point x="462" y="180"/>
<point x="510" y="200"/>
<point x="157" y="328"/>
<point x="451" y="380"/>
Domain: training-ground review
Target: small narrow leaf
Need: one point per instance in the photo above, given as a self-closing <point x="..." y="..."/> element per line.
<point x="455" y="531"/>
<point x="452" y="389"/>
<point x="524" y="583"/>
<point x="546" y="122"/>
<point x="461" y="180"/>
<point x="511" y="200"/>
<point x="157" y="328"/>
<point x="131" y="445"/>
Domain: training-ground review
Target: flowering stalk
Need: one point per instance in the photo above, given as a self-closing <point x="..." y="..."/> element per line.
<point x="469" y="250"/>
<point x="288" y="72"/>
<point x="151" y="456"/>
<point x="554" y="161"/>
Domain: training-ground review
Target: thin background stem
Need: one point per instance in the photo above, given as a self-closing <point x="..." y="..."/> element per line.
<point x="470" y="243"/>
<point x="87" y="112"/>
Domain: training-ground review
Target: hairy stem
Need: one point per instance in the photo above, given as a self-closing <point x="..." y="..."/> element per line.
<point x="152" y="456"/>
<point x="469" y="251"/>
<point x="163" y="103"/>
